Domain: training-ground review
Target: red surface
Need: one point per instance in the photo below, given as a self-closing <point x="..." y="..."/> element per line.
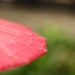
<point x="19" y="45"/>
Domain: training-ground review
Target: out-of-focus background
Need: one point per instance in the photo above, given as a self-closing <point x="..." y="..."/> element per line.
<point x="53" y="19"/>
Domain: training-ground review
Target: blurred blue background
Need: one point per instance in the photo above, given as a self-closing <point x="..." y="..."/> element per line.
<point x="53" y="19"/>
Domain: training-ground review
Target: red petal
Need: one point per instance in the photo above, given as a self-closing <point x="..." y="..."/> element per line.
<point x="19" y="45"/>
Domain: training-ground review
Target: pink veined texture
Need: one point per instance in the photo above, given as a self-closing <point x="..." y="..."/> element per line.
<point x="19" y="45"/>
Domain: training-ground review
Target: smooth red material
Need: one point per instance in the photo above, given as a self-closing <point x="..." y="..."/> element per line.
<point x="19" y="45"/>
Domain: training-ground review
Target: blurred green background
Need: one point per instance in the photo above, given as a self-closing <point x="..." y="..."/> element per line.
<point x="55" y="22"/>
